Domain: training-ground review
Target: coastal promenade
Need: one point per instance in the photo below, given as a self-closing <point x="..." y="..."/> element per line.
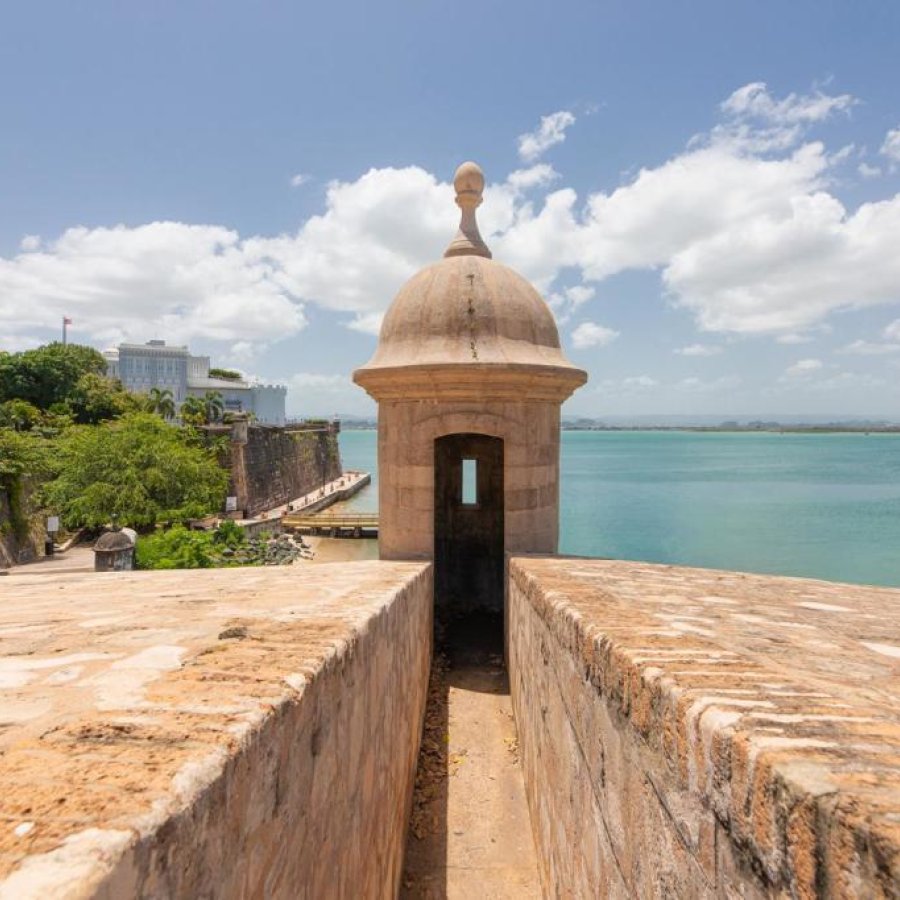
<point x="335" y="491"/>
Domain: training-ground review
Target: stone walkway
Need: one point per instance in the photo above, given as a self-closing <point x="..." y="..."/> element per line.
<point x="299" y="504"/>
<point x="470" y="835"/>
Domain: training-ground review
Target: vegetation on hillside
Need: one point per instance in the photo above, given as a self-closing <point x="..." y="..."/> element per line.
<point x="136" y="470"/>
<point x="76" y="443"/>
<point x="228" y="545"/>
<point x="57" y="385"/>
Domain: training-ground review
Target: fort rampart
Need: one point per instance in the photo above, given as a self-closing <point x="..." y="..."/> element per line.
<point x="235" y="733"/>
<point x="238" y="733"/>
<point x="694" y="733"/>
<point x="270" y="466"/>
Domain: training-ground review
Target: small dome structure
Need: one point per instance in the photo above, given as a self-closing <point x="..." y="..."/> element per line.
<point x="113" y="541"/>
<point x="469" y="376"/>
<point x="469" y="310"/>
<point x="114" y="551"/>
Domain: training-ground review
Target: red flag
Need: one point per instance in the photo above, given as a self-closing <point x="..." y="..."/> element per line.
<point x="67" y="320"/>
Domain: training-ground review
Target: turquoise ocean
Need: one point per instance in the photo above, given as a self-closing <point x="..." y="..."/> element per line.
<point x="817" y="505"/>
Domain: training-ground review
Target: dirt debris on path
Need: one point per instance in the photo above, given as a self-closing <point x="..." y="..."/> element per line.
<point x="469" y="828"/>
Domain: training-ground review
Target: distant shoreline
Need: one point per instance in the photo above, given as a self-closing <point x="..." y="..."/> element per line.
<point x="768" y="429"/>
<point x="719" y="429"/>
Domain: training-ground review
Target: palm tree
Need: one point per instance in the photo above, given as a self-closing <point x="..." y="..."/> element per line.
<point x="161" y="402"/>
<point x="193" y="411"/>
<point x="213" y="406"/>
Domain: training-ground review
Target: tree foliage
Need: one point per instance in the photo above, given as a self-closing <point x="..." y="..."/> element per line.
<point x="47" y="375"/>
<point x="203" y="410"/>
<point x="193" y="411"/>
<point x="180" y="548"/>
<point x="137" y="471"/>
<point x="227" y="374"/>
<point x="214" y="406"/>
<point x="95" y="398"/>
<point x="23" y="458"/>
<point x="161" y="402"/>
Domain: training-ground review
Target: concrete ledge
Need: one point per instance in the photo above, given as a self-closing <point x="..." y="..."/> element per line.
<point x="689" y="732"/>
<point x="227" y="733"/>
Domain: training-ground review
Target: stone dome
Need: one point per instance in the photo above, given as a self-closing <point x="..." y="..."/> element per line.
<point x="470" y="315"/>
<point x="112" y="541"/>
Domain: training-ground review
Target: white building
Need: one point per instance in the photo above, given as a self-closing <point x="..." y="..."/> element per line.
<point x="141" y="367"/>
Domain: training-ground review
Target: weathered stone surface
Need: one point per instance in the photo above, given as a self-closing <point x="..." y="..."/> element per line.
<point x="693" y="733"/>
<point x="229" y="733"/>
<point x="406" y="436"/>
<point x="275" y="465"/>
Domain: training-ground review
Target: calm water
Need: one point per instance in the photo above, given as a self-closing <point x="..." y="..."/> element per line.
<point x="825" y="506"/>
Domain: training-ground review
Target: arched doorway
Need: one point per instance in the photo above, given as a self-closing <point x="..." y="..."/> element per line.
<point x="468" y="524"/>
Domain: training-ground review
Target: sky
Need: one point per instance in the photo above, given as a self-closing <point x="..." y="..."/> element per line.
<point x="706" y="193"/>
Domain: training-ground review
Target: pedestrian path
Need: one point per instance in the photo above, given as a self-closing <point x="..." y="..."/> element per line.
<point x="470" y="832"/>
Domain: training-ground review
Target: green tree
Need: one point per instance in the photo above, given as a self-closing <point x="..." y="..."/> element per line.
<point x="161" y="402"/>
<point x="22" y="457"/>
<point x="176" y="548"/>
<point x="95" y="398"/>
<point x="137" y="470"/>
<point x="214" y="406"/>
<point x="48" y="374"/>
<point x="193" y="411"/>
<point x="20" y="415"/>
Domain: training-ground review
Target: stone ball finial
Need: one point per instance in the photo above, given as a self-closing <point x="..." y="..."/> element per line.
<point x="469" y="184"/>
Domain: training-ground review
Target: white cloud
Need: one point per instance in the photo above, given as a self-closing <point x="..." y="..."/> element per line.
<point x="316" y="381"/>
<point x="368" y="323"/>
<point x="165" y="277"/>
<point x="565" y="302"/>
<point x="590" y="334"/>
<point x="532" y="177"/>
<point x="870" y="348"/>
<point x="843" y="381"/>
<point x="244" y="352"/>
<point x="868" y="171"/>
<point x="632" y="384"/>
<point x="754" y="101"/>
<point x="17" y="343"/>
<point x="696" y="385"/>
<point x="550" y="132"/>
<point x="30" y="242"/>
<point x="699" y="350"/>
<point x="299" y="179"/>
<point x="742" y="228"/>
<point x="892" y="331"/>
<point x="639" y="381"/>
<point x="793" y="338"/>
<point x="891" y="146"/>
<point x="803" y="368"/>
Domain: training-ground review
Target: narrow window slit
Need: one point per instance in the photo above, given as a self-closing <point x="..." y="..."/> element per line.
<point x="470" y="482"/>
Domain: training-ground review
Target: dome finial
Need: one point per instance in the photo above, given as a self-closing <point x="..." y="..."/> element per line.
<point x="469" y="184"/>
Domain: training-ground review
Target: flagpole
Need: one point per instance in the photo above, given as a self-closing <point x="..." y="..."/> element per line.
<point x="64" y="331"/>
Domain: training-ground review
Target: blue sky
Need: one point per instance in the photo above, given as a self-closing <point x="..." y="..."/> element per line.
<point x="706" y="192"/>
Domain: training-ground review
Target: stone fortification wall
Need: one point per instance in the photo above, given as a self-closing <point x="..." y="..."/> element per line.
<point x="18" y="544"/>
<point x="406" y="435"/>
<point x="691" y="733"/>
<point x="271" y="466"/>
<point x="237" y="733"/>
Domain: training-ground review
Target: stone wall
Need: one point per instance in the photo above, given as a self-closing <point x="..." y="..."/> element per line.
<point x="406" y="435"/>
<point x="232" y="733"/>
<point x="15" y="546"/>
<point x="692" y="733"/>
<point x="273" y="466"/>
